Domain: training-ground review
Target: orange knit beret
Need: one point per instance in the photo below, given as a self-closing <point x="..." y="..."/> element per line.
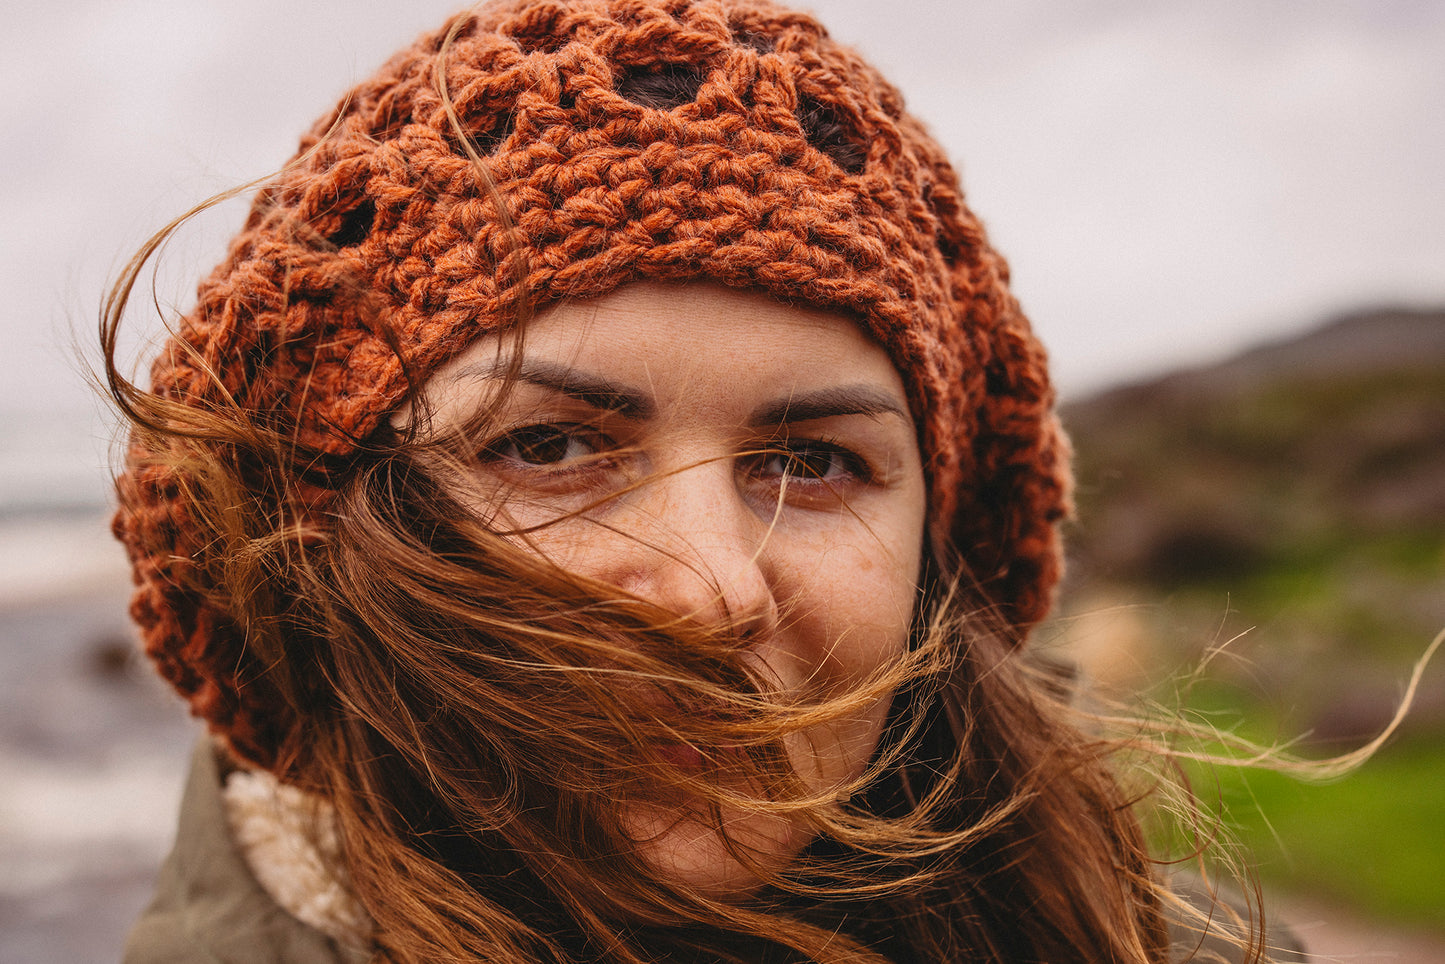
<point x="729" y="140"/>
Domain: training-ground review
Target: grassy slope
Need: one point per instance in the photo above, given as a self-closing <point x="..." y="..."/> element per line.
<point x="1373" y="839"/>
<point x="1310" y="511"/>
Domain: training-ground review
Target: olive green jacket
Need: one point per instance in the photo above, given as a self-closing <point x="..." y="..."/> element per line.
<point x="208" y="906"/>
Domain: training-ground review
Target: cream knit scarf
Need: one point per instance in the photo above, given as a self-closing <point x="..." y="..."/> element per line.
<point x="288" y="839"/>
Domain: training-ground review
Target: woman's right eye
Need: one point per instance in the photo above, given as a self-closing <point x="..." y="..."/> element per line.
<point x="546" y="446"/>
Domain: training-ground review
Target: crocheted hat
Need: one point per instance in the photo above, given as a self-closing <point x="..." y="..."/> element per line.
<point x="729" y="140"/>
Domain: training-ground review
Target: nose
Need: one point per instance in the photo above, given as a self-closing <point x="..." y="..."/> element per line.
<point x="691" y="544"/>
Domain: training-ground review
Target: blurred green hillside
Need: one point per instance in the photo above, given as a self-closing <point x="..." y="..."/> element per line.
<point x="1288" y="506"/>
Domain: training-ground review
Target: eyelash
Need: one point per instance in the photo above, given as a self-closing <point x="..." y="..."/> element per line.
<point x="519" y="452"/>
<point x="796" y="451"/>
<point x="508" y="452"/>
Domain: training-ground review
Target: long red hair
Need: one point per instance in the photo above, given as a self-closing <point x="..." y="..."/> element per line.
<point x="461" y="705"/>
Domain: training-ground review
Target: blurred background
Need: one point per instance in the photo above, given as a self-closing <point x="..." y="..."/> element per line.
<point x="1227" y="221"/>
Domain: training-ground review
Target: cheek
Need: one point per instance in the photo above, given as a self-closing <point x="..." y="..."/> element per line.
<point x="574" y="543"/>
<point x="867" y="615"/>
<point x="854" y="612"/>
<point x="866" y="582"/>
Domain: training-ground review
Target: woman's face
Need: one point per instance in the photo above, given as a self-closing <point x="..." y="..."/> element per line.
<point x="731" y="459"/>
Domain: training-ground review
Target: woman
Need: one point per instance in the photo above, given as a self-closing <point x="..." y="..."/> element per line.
<point x="597" y="506"/>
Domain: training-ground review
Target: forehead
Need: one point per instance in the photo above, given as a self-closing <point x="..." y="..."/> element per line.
<point x="695" y="342"/>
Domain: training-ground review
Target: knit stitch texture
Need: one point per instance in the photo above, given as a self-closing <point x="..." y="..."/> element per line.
<point x="667" y="140"/>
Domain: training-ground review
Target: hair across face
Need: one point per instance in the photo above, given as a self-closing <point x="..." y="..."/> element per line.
<point x="731" y="460"/>
<point x="537" y="151"/>
<point x="545" y="479"/>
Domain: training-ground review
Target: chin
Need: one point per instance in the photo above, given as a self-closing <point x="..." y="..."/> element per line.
<point x="683" y="844"/>
<point x="685" y="849"/>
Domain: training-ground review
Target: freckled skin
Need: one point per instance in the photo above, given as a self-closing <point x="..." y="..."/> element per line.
<point x="830" y="534"/>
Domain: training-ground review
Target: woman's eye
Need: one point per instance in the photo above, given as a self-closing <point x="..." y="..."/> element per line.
<point x="810" y="460"/>
<point x="545" y="445"/>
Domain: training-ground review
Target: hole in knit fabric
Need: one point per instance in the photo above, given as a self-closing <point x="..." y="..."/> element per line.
<point x="825" y="129"/>
<point x="355" y="225"/>
<point x="663" y="88"/>
<point x="485" y="140"/>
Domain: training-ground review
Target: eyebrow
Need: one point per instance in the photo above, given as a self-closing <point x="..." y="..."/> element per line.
<point x="592" y="390"/>
<point x="830" y="402"/>
<point x="601" y="393"/>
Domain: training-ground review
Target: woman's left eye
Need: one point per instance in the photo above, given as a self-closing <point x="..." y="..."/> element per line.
<point x="810" y="460"/>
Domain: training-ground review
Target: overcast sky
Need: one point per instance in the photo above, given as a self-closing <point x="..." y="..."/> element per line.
<point x="1171" y="181"/>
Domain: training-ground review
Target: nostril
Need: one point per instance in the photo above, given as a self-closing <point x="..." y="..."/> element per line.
<point x="757" y="624"/>
<point x="709" y="584"/>
<point x="748" y="608"/>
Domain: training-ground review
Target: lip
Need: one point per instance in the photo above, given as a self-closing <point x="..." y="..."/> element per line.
<point x="684" y="756"/>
